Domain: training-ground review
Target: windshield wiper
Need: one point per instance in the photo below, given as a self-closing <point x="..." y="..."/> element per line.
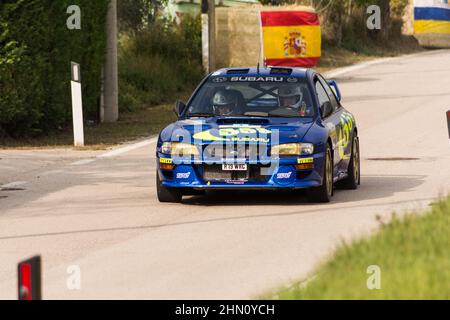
<point x="201" y="114"/>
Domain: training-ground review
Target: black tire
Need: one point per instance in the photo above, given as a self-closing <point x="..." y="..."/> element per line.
<point x="170" y="195"/>
<point x="324" y="193"/>
<point x="353" y="179"/>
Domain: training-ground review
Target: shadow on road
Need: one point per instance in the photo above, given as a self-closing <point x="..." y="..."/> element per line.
<point x="372" y="187"/>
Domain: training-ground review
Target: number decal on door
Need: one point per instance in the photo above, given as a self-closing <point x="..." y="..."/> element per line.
<point x="346" y="127"/>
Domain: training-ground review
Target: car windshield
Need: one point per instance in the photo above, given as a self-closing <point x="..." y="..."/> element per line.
<point x="252" y="97"/>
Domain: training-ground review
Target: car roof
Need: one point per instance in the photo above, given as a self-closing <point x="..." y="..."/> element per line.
<point x="263" y="71"/>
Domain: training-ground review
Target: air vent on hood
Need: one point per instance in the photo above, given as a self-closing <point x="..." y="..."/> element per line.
<point x="231" y="121"/>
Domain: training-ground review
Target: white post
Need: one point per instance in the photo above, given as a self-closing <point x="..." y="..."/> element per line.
<point x="77" y="106"/>
<point x="205" y="37"/>
<point x="205" y="42"/>
<point x="261" y="60"/>
<point x="212" y="34"/>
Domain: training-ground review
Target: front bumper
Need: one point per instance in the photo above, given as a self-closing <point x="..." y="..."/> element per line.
<point x="276" y="174"/>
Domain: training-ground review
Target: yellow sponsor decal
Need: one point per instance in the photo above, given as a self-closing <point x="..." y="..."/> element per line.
<point x="165" y="160"/>
<point x="347" y="122"/>
<point x="229" y="134"/>
<point x="305" y="160"/>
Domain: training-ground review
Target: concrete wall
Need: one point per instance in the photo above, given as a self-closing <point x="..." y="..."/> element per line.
<point x="238" y="34"/>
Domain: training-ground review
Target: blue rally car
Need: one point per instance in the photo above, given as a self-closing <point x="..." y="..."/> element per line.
<point x="260" y="128"/>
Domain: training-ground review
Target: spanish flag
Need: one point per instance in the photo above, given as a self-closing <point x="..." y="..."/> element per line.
<point x="291" y="38"/>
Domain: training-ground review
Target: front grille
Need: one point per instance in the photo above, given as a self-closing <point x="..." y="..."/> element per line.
<point x="235" y="151"/>
<point x="214" y="172"/>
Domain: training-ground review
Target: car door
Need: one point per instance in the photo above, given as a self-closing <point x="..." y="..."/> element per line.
<point x="341" y="121"/>
<point x="331" y="122"/>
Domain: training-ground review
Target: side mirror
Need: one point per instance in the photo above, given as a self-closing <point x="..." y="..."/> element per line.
<point x="326" y="109"/>
<point x="179" y="108"/>
<point x="334" y="86"/>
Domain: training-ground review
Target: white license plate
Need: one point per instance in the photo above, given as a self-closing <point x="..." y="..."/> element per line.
<point x="234" y="167"/>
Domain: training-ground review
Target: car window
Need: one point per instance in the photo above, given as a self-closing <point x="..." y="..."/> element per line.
<point x="257" y="97"/>
<point x="330" y="93"/>
<point x="321" y="94"/>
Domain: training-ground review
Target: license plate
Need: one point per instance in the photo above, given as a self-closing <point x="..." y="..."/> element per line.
<point x="234" y="167"/>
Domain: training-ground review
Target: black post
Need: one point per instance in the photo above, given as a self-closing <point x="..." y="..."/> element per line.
<point x="29" y="273"/>
<point x="448" y="122"/>
<point x="204" y="6"/>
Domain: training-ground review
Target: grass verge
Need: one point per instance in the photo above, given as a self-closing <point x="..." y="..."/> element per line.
<point x="131" y="126"/>
<point x="412" y="253"/>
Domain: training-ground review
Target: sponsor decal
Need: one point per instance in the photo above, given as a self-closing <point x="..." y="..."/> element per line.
<point x="254" y="79"/>
<point x="165" y="160"/>
<point x="183" y="175"/>
<point x="235" y="134"/>
<point x="236" y="182"/>
<point x="305" y="160"/>
<point x="257" y="79"/>
<point x="347" y="124"/>
<point x="219" y="79"/>
<point x="284" y="175"/>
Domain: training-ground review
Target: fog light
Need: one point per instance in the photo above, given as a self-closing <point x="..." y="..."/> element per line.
<point x="305" y="166"/>
<point x="165" y="166"/>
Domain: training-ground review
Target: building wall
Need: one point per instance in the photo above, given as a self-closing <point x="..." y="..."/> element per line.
<point x="238" y="34"/>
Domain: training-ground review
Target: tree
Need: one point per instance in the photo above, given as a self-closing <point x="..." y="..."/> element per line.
<point x="133" y="15"/>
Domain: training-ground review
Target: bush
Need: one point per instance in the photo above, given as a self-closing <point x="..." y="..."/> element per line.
<point x="35" y="53"/>
<point x="158" y="62"/>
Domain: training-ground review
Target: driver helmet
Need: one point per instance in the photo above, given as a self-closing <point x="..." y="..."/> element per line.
<point x="290" y="97"/>
<point x="225" y="102"/>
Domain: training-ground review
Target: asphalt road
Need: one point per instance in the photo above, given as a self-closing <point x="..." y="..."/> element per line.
<point x="102" y="214"/>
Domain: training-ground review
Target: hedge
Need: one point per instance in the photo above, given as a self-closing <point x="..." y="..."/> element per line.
<point x="36" y="49"/>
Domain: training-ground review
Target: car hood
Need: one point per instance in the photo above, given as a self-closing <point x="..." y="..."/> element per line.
<point x="238" y="130"/>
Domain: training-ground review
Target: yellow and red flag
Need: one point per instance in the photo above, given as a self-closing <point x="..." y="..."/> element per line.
<point x="291" y="38"/>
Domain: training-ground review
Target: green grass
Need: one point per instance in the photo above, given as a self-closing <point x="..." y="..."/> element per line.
<point x="413" y="254"/>
<point x="135" y="125"/>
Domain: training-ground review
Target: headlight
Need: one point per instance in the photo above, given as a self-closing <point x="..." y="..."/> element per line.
<point x="179" y="149"/>
<point x="293" y="149"/>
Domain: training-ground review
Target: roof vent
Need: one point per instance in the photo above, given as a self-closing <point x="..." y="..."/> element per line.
<point x="238" y="71"/>
<point x="280" y="70"/>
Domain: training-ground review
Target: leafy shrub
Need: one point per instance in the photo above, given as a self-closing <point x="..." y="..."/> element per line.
<point x="158" y="62"/>
<point x="35" y="53"/>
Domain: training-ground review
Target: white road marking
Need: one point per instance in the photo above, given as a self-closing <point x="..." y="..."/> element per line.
<point x="14" y="184"/>
<point x="341" y="71"/>
<point x="48" y="173"/>
<point x="356" y="67"/>
<point x="82" y="162"/>
<point x="117" y="151"/>
<point x="128" y="148"/>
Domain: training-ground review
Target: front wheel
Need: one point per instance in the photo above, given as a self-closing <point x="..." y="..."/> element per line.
<point x="353" y="179"/>
<point x="325" y="191"/>
<point x="172" y="195"/>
